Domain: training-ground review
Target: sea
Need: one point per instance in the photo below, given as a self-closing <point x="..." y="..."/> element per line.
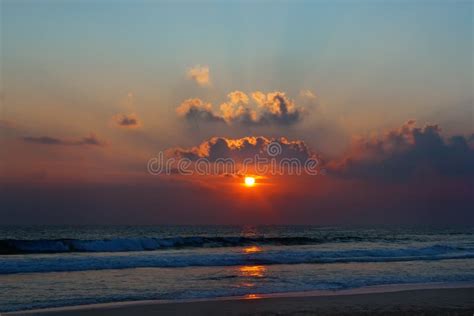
<point x="55" y="266"/>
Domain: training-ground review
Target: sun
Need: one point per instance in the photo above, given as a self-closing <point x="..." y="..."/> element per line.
<point x="249" y="181"/>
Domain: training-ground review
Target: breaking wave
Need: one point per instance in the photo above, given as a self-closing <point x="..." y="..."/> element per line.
<point x="174" y="259"/>
<point x="12" y="246"/>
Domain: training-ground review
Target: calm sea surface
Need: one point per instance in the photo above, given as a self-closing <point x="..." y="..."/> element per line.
<point x="45" y="266"/>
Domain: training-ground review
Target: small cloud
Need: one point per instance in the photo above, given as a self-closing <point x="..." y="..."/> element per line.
<point x="45" y="140"/>
<point x="308" y="94"/>
<point x="200" y="74"/>
<point x="91" y="140"/>
<point x="308" y="98"/>
<point x="127" y="120"/>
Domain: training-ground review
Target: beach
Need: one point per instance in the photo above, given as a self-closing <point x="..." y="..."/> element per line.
<point x="441" y="301"/>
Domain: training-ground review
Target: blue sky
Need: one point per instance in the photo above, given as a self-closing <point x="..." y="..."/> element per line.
<point x="418" y="52"/>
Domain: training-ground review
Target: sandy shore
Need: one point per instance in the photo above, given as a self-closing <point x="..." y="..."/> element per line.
<point x="440" y="301"/>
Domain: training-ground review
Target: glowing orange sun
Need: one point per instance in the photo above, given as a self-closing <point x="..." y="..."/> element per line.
<point x="249" y="181"/>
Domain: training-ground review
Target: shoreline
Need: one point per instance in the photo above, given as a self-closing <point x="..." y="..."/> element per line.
<point x="380" y="299"/>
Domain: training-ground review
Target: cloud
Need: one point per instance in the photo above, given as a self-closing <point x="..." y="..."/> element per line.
<point x="236" y="97"/>
<point x="308" y="99"/>
<point x="127" y="120"/>
<point x="195" y="110"/>
<point x="200" y="74"/>
<point x="308" y="94"/>
<point x="237" y="110"/>
<point x="278" y="109"/>
<point x="406" y="152"/>
<point x="273" y="108"/>
<point x="246" y="147"/>
<point x="91" y="140"/>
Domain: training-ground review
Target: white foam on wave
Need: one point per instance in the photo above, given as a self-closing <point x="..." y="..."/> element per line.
<point x="231" y="257"/>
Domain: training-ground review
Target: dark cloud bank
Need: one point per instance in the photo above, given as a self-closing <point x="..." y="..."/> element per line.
<point x="246" y="147"/>
<point x="407" y="152"/>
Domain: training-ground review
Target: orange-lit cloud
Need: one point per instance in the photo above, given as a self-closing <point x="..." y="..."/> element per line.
<point x="197" y="110"/>
<point x="273" y="108"/>
<point x="236" y="97"/>
<point x="200" y="74"/>
<point x="236" y="109"/>
<point x="246" y="147"/>
<point x="276" y="107"/>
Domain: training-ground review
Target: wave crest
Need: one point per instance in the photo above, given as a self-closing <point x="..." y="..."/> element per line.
<point x="13" y="246"/>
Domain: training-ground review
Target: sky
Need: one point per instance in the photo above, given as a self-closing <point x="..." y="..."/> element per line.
<point x="379" y="93"/>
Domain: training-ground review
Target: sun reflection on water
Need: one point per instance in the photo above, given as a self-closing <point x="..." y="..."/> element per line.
<point x="249" y="274"/>
<point x="253" y="271"/>
<point x="252" y="249"/>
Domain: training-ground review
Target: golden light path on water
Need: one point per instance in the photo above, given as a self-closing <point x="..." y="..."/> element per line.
<point x="252" y="249"/>
<point x="251" y="272"/>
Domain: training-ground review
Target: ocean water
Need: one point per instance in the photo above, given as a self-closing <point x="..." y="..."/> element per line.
<point x="67" y="265"/>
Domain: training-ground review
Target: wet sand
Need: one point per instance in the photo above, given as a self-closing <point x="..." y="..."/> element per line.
<point x="443" y="301"/>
